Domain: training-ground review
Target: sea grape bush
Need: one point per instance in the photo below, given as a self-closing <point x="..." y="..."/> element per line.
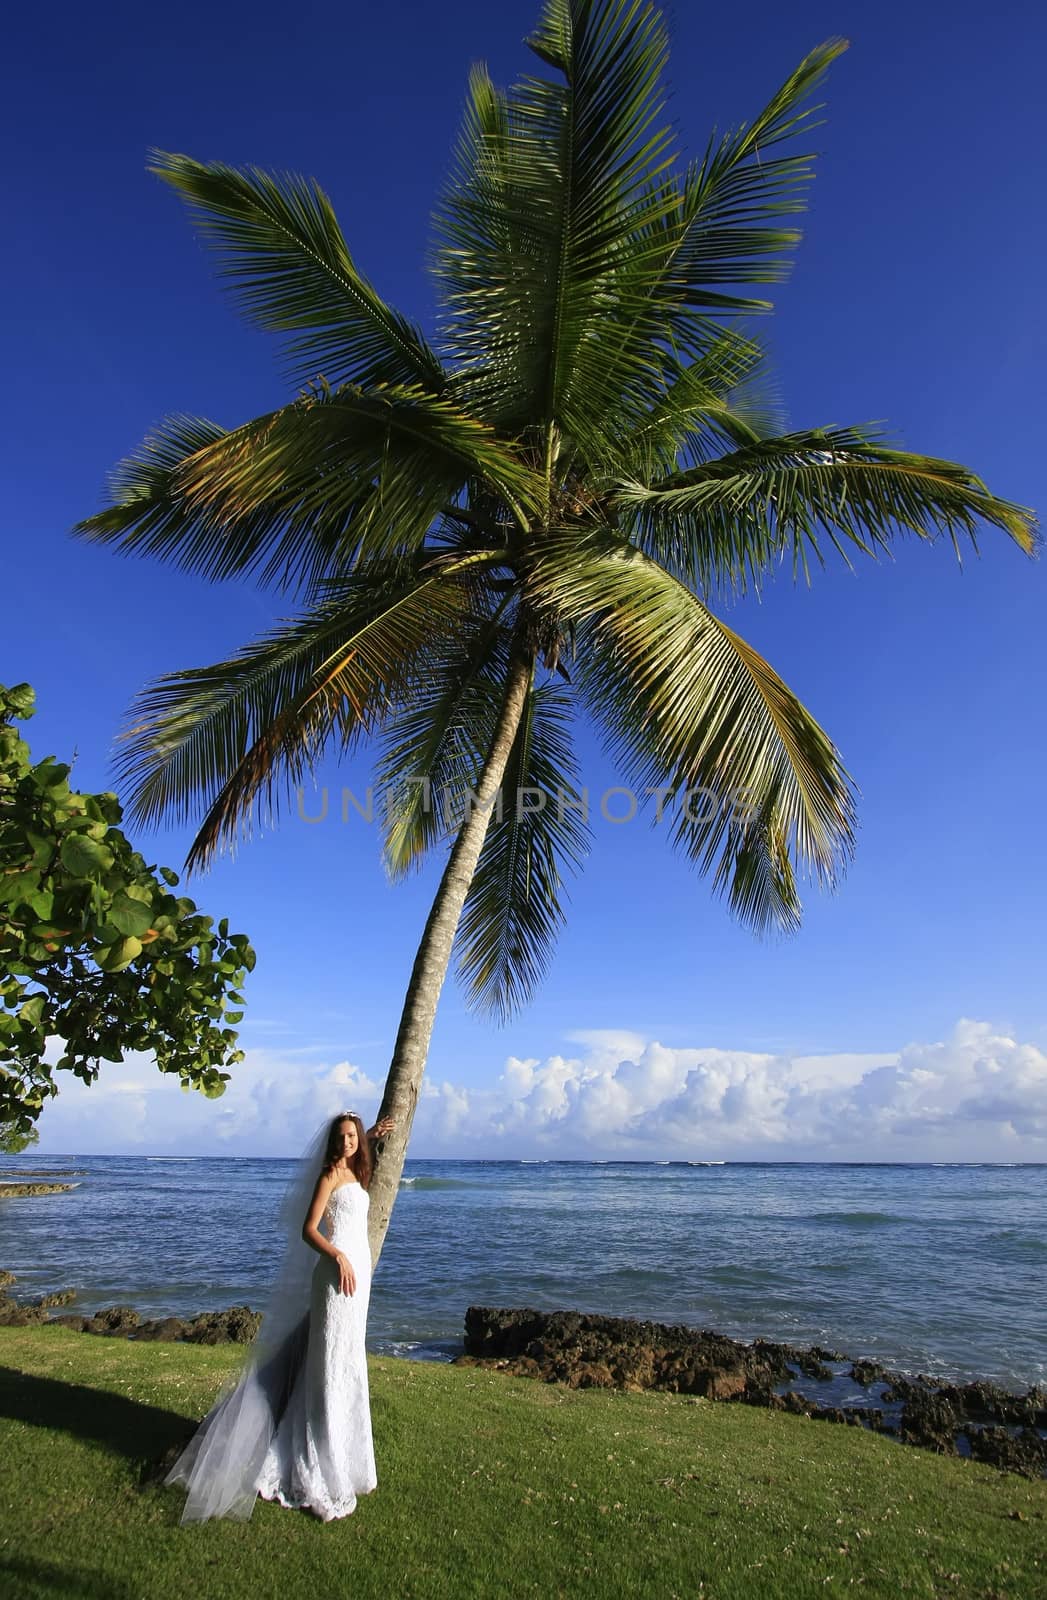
<point x="98" y="953"/>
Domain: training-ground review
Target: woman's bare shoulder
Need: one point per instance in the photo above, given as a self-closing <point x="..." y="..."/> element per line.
<point x="324" y="1184"/>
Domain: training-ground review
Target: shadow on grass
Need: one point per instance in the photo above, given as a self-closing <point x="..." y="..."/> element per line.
<point x="144" y="1434"/>
<point x="20" y="1576"/>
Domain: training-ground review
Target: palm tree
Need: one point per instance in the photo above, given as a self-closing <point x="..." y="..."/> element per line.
<point x="534" y="514"/>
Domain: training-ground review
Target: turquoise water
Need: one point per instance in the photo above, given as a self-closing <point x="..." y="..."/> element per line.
<point x="926" y="1268"/>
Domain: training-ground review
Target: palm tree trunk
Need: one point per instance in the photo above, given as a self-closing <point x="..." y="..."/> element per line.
<point x="403" y="1084"/>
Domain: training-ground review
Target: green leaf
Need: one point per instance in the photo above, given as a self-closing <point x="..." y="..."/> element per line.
<point x="120" y="955"/>
<point x="284" y="256"/>
<point x="85" y="857"/>
<point x="129" y="915"/>
<point x="249" y="731"/>
<point x="42" y="849"/>
<point x="32" y="1011"/>
<point x="49" y="775"/>
<point x="294" y="496"/>
<point x="688" y="705"/>
<point x="514" y="909"/>
<point x="731" y="518"/>
<point x="18" y="702"/>
<point x="42" y="903"/>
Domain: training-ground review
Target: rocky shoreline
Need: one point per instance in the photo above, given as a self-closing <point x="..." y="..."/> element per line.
<point x="13" y="1186"/>
<point x="19" y="1191"/>
<point x="978" y="1420"/>
<point x="237" y="1325"/>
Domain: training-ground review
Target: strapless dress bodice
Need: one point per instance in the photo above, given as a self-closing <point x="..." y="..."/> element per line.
<point x="346" y="1212"/>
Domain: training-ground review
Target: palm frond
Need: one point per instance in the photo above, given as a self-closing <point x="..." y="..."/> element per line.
<point x="434" y="746"/>
<point x="729" y="226"/>
<point x="303" y="492"/>
<point x="551" y="182"/>
<point x="233" y="731"/>
<point x="283" y="255"/>
<point x="577" y="271"/>
<point x="514" y="909"/>
<point x="718" y="521"/>
<point x="720" y="226"/>
<point x="707" y="406"/>
<point x="688" y="705"/>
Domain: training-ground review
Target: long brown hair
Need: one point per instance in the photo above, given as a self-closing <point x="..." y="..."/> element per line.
<point x="360" y="1163"/>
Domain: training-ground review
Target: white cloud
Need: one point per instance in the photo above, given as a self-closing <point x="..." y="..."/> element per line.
<point x="271" y="1105"/>
<point x="979" y="1095"/>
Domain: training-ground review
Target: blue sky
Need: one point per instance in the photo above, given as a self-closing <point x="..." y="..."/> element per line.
<point x="913" y="302"/>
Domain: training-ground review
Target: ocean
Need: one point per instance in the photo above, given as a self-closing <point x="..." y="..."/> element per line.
<point x="926" y="1267"/>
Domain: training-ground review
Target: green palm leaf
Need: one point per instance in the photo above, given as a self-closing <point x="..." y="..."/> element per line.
<point x="514" y="909"/>
<point x="688" y="705"/>
<point x="302" y="493"/>
<point x="284" y="256"/>
<point x="433" y="748"/>
<point x="233" y="731"/>
<point x="717" y="521"/>
<point x="718" y="227"/>
<point x="577" y="272"/>
<point x="550" y="185"/>
<point x="729" y="229"/>
<point x="707" y="407"/>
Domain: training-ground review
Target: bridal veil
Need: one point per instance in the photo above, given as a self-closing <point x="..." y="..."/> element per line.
<point x="222" y="1462"/>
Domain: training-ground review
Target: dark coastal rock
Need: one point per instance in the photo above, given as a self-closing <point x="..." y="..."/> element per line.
<point x="587" y="1351"/>
<point x="583" y="1351"/>
<point x="866" y="1372"/>
<point x="14" y="1315"/>
<point x="60" y="1297"/>
<point x="797" y="1404"/>
<point x="902" y="1388"/>
<point x="20" y="1314"/>
<point x="985" y="1402"/>
<point x="238" y="1325"/>
<point x="1024" y="1452"/>
<point x="782" y="1356"/>
<point x="637" y="1355"/>
<point x="19" y="1191"/>
<point x="161" y="1330"/>
<point x="235" y="1325"/>
<point x="120" y="1320"/>
<point x="979" y="1402"/>
<point x="930" y="1421"/>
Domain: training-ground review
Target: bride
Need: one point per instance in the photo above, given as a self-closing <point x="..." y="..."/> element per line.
<point x="294" y="1425"/>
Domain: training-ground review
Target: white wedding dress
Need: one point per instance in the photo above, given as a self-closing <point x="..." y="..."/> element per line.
<point x="322" y="1453"/>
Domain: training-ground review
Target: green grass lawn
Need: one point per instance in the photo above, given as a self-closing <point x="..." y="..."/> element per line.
<point x="490" y="1485"/>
